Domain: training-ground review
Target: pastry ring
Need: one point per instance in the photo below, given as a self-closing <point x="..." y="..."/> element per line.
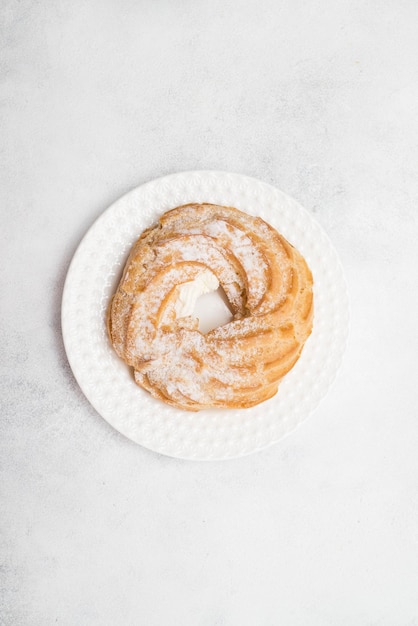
<point x="193" y="249"/>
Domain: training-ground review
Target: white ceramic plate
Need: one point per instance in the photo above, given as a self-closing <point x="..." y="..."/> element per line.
<point x="108" y="383"/>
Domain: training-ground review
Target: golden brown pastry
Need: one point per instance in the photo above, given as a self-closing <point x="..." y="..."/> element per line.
<point x="269" y="288"/>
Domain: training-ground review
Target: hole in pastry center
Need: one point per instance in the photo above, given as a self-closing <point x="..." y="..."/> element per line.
<point x="203" y="298"/>
<point x="212" y="310"/>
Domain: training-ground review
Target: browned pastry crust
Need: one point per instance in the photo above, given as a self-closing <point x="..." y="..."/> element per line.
<point x="269" y="288"/>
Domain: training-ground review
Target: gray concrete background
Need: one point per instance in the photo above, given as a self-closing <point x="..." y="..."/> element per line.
<point x="318" y="98"/>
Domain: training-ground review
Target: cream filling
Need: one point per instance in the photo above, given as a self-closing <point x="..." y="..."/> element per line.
<point x="189" y="292"/>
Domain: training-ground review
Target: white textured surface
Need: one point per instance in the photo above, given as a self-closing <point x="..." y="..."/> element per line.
<point x="317" y="98"/>
<point x="107" y="382"/>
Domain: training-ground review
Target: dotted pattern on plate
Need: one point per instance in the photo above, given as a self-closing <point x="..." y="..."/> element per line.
<point x="108" y="383"/>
